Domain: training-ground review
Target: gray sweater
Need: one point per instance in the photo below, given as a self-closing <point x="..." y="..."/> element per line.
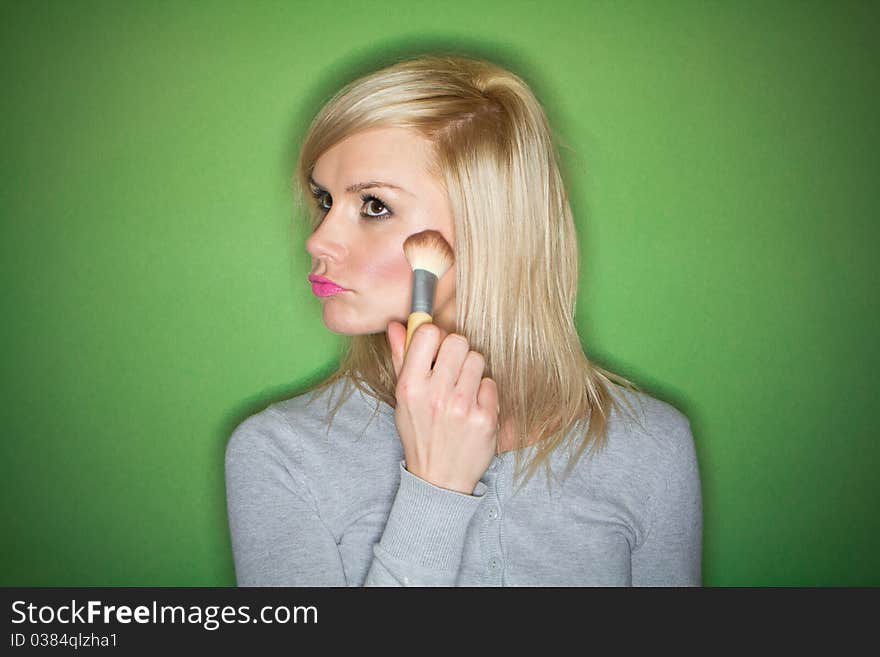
<point x="308" y="508"/>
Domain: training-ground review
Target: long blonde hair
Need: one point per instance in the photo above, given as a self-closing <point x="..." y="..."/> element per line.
<point x="514" y="235"/>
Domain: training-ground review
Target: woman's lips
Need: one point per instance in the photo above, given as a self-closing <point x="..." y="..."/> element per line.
<point x="324" y="287"/>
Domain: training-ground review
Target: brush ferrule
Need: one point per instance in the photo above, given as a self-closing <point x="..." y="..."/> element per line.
<point x="424" y="285"/>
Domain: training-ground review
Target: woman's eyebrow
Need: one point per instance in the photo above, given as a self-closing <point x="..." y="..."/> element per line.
<point x="364" y="185"/>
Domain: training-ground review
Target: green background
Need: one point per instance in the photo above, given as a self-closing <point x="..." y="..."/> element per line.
<point x="722" y="159"/>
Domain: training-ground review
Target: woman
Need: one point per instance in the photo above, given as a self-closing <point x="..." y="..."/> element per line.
<point x="445" y="488"/>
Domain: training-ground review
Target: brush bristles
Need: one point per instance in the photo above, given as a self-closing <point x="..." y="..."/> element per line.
<point x="429" y="250"/>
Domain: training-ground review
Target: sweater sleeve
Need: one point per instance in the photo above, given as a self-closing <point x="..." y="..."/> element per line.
<point x="279" y="538"/>
<point x="424" y="536"/>
<point x="671" y="553"/>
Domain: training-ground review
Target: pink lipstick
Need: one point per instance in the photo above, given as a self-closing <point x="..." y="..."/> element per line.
<point x="324" y="287"/>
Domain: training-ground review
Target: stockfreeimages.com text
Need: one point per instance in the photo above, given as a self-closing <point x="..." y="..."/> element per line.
<point x="210" y="617"/>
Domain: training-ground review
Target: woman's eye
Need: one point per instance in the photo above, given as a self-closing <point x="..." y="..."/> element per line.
<point x="373" y="204"/>
<point x="374" y="208"/>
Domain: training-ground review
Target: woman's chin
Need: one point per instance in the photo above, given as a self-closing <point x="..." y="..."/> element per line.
<point x="349" y="326"/>
<point x="344" y="319"/>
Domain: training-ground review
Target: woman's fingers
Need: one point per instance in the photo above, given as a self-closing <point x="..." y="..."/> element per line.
<point x="417" y="361"/>
<point x="487" y="397"/>
<point x="450" y="359"/>
<point x="455" y="372"/>
<point x="469" y="378"/>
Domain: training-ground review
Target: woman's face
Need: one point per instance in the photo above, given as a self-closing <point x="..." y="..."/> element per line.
<point x="359" y="243"/>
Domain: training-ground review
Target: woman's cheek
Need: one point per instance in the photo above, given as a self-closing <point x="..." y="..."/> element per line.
<point x="393" y="277"/>
<point x="389" y="271"/>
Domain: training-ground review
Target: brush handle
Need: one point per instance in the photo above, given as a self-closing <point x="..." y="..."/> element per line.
<point x="416" y="319"/>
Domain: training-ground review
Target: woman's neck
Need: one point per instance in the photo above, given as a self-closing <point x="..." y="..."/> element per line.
<point x="507" y="440"/>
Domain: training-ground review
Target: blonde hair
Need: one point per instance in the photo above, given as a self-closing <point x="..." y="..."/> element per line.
<point x="493" y="151"/>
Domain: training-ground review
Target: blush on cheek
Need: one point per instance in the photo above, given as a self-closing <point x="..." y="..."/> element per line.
<point x="392" y="285"/>
<point x="389" y="270"/>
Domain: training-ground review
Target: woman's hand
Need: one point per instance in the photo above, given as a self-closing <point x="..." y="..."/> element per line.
<point x="447" y="417"/>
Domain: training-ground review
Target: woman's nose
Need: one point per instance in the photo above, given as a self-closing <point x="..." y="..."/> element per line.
<point x="329" y="239"/>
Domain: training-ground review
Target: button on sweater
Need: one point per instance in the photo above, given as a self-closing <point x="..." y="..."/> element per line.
<point x="312" y="503"/>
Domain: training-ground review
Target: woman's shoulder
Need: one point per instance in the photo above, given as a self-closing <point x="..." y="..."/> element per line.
<point x="266" y="433"/>
<point x="285" y="426"/>
<point x="647" y="425"/>
<point x="646" y="439"/>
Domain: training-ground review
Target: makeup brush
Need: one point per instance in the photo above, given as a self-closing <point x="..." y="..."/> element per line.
<point x="430" y="256"/>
